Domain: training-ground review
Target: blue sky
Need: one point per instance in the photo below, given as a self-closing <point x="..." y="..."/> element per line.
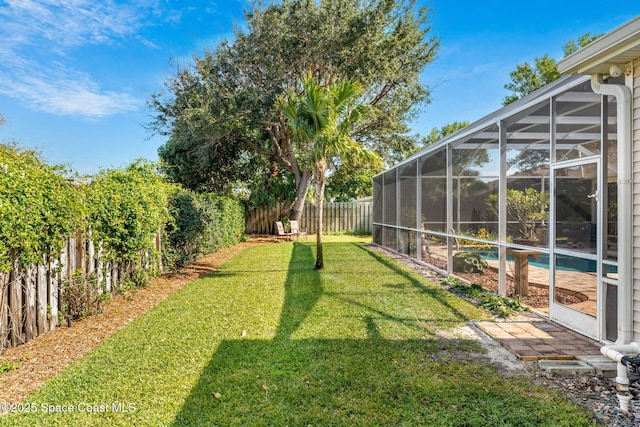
<point x="75" y="75"/>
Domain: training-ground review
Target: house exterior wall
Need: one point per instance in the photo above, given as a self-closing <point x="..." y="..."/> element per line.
<point x="636" y="199"/>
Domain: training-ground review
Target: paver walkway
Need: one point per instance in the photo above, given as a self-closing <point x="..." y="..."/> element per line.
<point x="533" y="339"/>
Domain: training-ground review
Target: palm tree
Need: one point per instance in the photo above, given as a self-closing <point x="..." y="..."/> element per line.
<point x="322" y="120"/>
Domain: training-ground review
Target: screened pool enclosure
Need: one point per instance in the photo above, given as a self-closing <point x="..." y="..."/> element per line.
<point x="523" y="201"/>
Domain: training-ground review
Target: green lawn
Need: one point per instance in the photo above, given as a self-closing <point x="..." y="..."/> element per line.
<point x="266" y="340"/>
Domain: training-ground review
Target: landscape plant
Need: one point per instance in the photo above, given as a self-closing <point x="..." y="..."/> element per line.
<point x="528" y="207"/>
<point x="7" y="366"/>
<point x="127" y="208"/>
<point x="498" y="305"/>
<point x="39" y="207"/>
<point x="324" y="119"/>
<point x="201" y="223"/>
<point x="82" y="295"/>
<point x="469" y="262"/>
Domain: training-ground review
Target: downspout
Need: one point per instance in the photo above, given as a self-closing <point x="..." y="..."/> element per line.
<point x="623" y="345"/>
<point x="625" y="221"/>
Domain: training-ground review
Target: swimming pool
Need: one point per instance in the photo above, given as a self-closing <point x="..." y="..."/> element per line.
<point x="563" y="262"/>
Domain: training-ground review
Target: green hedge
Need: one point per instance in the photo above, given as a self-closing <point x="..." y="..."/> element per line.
<point x="127" y="208"/>
<point x="202" y="223"/>
<point x="123" y="208"/>
<point x="42" y="205"/>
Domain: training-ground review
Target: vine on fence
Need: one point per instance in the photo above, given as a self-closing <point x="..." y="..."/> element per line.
<point x="120" y="210"/>
<point x="126" y="209"/>
<point x="39" y="207"/>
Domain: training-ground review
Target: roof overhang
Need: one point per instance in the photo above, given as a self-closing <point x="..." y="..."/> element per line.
<point x="618" y="47"/>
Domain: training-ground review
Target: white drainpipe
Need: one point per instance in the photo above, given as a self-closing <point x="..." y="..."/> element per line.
<point x="625" y="198"/>
<point x="616" y="352"/>
<point x="623" y="345"/>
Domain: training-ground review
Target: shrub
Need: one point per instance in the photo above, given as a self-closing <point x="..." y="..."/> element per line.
<point x="224" y="220"/>
<point x="201" y="223"/>
<point x="500" y="306"/>
<point x="180" y="240"/>
<point x="82" y="296"/>
<point x="127" y="209"/>
<point x="6" y="366"/>
<point x="469" y="262"/>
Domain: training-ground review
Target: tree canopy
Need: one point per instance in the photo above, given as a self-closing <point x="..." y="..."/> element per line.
<point x="527" y="78"/>
<point x="225" y="100"/>
<point x="437" y="134"/>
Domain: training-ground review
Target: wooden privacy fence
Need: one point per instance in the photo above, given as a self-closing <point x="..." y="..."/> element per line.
<point x="337" y="217"/>
<point x="32" y="298"/>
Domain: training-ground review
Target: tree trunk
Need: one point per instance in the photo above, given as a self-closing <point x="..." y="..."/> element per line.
<point x="302" y="188"/>
<point x="320" y="177"/>
<point x="284" y="155"/>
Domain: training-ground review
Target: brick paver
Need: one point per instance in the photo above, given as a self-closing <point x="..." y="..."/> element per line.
<point x="539" y="339"/>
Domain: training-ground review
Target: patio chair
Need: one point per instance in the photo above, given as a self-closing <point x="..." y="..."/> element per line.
<point x="296" y="231"/>
<point x="280" y="231"/>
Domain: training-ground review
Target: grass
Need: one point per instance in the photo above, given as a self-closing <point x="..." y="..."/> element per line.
<point x="268" y="341"/>
<point x="7" y="366"/>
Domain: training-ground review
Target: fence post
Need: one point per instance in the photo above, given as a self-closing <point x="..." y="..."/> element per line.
<point x="15" y="306"/>
<point x="71" y="257"/>
<point x="159" y="250"/>
<point x="81" y="253"/>
<point x="4" y="312"/>
<point x="42" y="297"/>
<point x="52" y="291"/>
<point x="29" y="313"/>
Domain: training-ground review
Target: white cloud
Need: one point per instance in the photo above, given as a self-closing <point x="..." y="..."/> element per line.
<point x="70" y="22"/>
<point x="63" y="92"/>
<point x="39" y="38"/>
<point x="147" y="43"/>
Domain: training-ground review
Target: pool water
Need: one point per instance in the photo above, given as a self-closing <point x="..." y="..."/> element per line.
<point x="563" y="262"/>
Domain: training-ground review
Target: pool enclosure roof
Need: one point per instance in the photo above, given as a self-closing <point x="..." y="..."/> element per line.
<point x="510" y="111"/>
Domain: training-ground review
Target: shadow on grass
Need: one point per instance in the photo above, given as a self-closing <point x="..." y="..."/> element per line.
<point x="303" y="289"/>
<point x="442" y="295"/>
<point x="372" y="381"/>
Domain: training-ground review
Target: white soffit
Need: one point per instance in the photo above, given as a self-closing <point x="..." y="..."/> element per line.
<point x="619" y="46"/>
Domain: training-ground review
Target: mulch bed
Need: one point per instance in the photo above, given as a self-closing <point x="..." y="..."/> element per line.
<point x="538" y="295"/>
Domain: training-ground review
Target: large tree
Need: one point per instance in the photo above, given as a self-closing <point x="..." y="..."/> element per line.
<point x="350" y="181"/>
<point x="527" y="78"/>
<point x="322" y="120"/>
<point x="226" y="99"/>
<point x="437" y="134"/>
